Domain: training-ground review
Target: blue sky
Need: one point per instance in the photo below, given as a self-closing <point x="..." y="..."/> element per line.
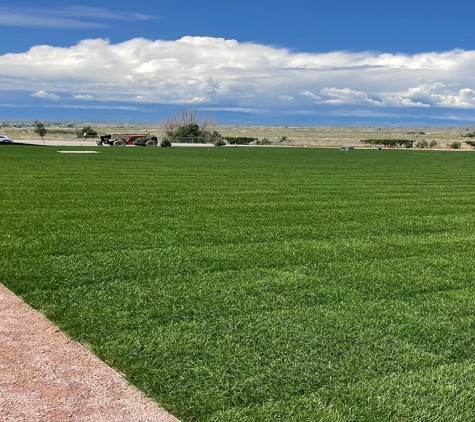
<point x="267" y="62"/>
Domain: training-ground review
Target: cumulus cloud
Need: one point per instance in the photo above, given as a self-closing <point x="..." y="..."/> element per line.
<point x="311" y="95"/>
<point x="443" y="95"/>
<point x="45" y="95"/>
<point x="338" y="96"/>
<point x="228" y="75"/>
<point x="348" y="96"/>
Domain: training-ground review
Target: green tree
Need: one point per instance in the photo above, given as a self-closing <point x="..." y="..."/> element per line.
<point x="86" y="131"/>
<point x="190" y="125"/>
<point x="40" y="129"/>
<point x="187" y="131"/>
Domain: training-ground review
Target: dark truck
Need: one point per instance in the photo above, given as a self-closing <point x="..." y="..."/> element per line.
<point x="123" y="139"/>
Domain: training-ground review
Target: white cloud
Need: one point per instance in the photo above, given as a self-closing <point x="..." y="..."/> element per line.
<point x="99" y="13"/>
<point x="444" y="95"/>
<point x="346" y="96"/>
<point x="235" y="109"/>
<point x="465" y="98"/>
<point x="400" y="101"/>
<point x="228" y="75"/>
<point x="46" y="95"/>
<point x="310" y="95"/>
<point x="83" y="97"/>
<point x="98" y="107"/>
<point x="70" y="17"/>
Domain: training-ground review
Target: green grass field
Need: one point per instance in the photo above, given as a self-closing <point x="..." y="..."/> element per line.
<point x="256" y="284"/>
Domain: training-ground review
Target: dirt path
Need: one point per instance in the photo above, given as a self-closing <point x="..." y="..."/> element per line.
<point x="46" y="376"/>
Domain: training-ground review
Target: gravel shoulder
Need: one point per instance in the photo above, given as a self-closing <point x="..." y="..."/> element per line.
<point x="46" y="376"/>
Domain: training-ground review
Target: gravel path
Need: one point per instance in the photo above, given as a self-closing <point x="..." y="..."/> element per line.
<point x="46" y="376"/>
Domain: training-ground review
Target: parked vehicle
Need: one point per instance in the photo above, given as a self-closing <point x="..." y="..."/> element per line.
<point x="121" y="140"/>
<point x="5" y="138"/>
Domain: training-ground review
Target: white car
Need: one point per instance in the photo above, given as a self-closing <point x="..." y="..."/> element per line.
<point x="5" y="138"/>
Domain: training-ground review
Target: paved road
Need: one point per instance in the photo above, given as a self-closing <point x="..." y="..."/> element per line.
<point x="82" y="143"/>
<point x="56" y="143"/>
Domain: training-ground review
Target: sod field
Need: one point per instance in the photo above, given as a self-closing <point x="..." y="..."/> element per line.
<point x="256" y="284"/>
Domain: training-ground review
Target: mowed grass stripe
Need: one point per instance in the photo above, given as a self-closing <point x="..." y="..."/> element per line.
<point x="256" y="283"/>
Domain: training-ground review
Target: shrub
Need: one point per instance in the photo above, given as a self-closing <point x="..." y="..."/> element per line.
<point x="265" y="141"/>
<point x="456" y="145"/>
<point x="471" y="143"/>
<point x="219" y="143"/>
<point x="422" y="144"/>
<point x="240" y="140"/>
<point x="433" y="143"/>
<point x="165" y="143"/>
<point x="389" y="142"/>
<point x="214" y="137"/>
<point x="284" y="139"/>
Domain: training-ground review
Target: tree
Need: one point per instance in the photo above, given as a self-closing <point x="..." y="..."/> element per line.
<point x="86" y="131"/>
<point x="186" y="118"/>
<point x="40" y="129"/>
<point x="188" y="131"/>
<point x="189" y="124"/>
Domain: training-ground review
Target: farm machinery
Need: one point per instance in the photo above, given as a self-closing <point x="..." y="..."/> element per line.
<point x="121" y="140"/>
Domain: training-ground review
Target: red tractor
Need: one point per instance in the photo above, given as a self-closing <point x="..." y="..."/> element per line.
<point x="121" y="140"/>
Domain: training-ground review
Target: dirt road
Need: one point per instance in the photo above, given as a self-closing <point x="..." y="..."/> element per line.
<point x="47" y="377"/>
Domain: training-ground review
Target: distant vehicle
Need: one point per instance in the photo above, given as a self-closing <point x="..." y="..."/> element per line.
<point x="121" y="140"/>
<point x="5" y="138"/>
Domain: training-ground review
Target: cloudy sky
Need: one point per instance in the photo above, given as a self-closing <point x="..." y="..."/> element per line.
<point x="322" y="62"/>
